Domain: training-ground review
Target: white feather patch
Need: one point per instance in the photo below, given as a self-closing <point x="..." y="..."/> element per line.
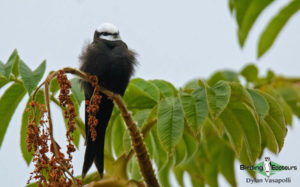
<point x="108" y="27"/>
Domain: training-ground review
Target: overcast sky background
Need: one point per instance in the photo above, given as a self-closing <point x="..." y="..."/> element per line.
<point x="176" y="41"/>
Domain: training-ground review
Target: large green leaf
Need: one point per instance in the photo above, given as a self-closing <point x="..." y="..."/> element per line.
<point x="274" y="27"/>
<point x="141" y="94"/>
<point x="170" y="123"/>
<point x="195" y="107"/>
<point x="165" y="87"/>
<point x="8" y="104"/>
<point x="253" y="11"/>
<point x="76" y="90"/>
<point x="31" y="78"/>
<point x="28" y="155"/>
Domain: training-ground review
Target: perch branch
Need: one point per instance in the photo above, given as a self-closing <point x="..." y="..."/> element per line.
<point x="136" y="137"/>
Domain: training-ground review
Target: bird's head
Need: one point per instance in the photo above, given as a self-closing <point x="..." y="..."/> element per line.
<point x="107" y="31"/>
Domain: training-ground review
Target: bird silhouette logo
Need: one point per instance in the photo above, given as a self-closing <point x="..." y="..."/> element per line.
<point x="267" y="166"/>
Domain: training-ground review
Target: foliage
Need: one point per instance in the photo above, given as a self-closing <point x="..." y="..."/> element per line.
<point x="200" y="128"/>
<point x="246" y="13"/>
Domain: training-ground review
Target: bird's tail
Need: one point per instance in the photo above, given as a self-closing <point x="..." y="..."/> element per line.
<point x="94" y="152"/>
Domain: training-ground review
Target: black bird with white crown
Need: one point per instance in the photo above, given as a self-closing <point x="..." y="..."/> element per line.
<point x="109" y="58"/>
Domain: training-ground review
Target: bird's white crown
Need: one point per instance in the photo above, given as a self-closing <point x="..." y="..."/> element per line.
<point x="108" y="27"/>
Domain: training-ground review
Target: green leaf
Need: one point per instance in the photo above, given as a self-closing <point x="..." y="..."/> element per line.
<point x="166" y="88"/>
<point x="31" y="78"/>
<point x="226" y="165"/>
<point x="164" y="173"/>
<point x="218" y="97"/>
<point x="170" y="123"/>
<point x="192" y="84"/>
<point x="225" y="75"/>
<point x="274" y="27"/>
<point x="269" y="136"/>
<point x="32" y="185"/>
<point x="241" y="7"/>
<point x="240" y="94"/>
<point x="248" y="121"/>
<point x="5" y="69"/>
<point x="260" y="103"/>
<point x="54" y="86"/>
<point x="8" y="104"/>
<point x="191" y="146"/>
<point x="126" y="142"/>
<point x="76" y="90"/>
<point x="214" y="145"/>
<point x="244" y="159"/>
<point x="275" y="111"/>
<point x="108" y="136"/>
<point x="15" y="57"/>
<point x="290" y="94"/>
<point x="178" y="172"/>
<point x="118" y="129"/>
<point x="28" y="155"/>
<point x="180" y="152"/>
<point x="195" y="107"/>
<point x="135" y="170"/>
<point x="253" y="11"/>
<point x="3" y="81"/>
<point x="233" y="130"/>
<point x="141" y="116"/>
<point x="141" y="94"/>
<point x="250" y="72"/>
<point x="275" y="121"/>
<point x="159" y="154"/>
<point x="197" y="182"/>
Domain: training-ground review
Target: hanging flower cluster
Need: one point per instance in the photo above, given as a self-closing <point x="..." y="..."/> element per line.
<point x="52" y="168"/>
<point x="93" y="107"/>
<point x="69" y="113"/>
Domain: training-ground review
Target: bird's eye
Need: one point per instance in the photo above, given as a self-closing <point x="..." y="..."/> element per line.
<point x="105" y="33"/>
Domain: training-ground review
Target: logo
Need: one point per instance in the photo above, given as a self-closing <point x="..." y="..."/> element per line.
<point x="268" y="168"/>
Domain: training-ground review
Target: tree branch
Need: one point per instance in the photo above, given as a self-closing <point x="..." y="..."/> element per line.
<point x="136" y="137"/>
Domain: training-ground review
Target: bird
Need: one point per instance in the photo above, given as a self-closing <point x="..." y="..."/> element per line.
<point x="110" y="59"/>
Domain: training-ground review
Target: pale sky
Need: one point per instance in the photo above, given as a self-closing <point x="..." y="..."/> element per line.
<point x="176" y="41"/>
